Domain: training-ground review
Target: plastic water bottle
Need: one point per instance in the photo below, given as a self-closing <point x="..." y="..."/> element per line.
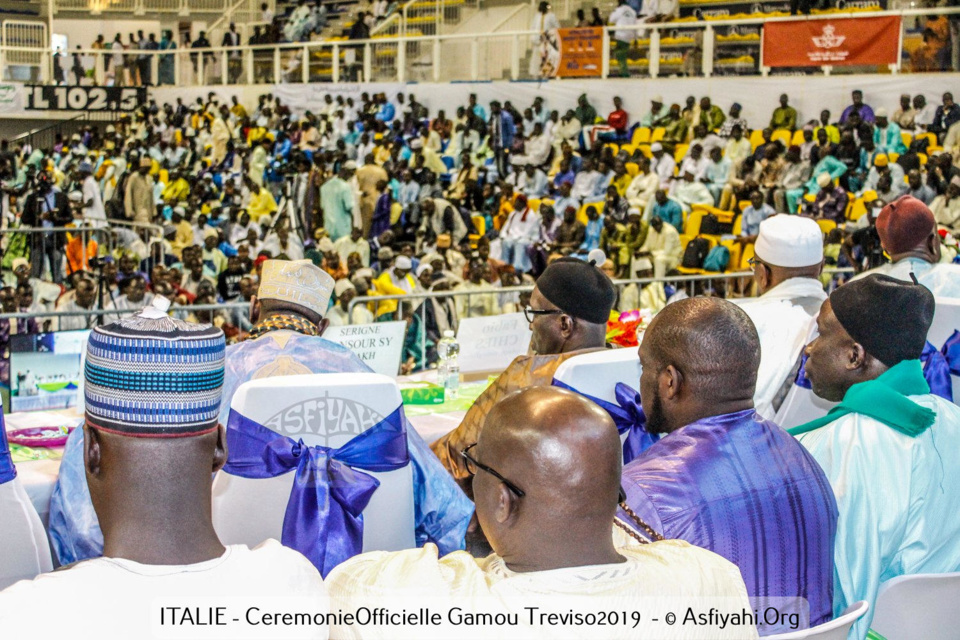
<point x="448" y="370"/>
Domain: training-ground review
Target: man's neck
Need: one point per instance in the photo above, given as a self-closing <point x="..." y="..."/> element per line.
<point x="565" y="551"/>
<point x="917" y="254"/>
<point x="695" y="414"/>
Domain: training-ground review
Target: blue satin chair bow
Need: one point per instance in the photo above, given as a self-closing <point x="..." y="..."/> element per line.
<point x="936" y="372"/>
<point x="951" y="352"/>
<point x="323" y="520"/>
<point x="7" y="471"/>
<point x="627" y="414"/>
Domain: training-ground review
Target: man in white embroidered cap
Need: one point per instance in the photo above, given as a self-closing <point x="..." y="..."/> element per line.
<point x="150" y="442"/>
<point x="786" y="270"/>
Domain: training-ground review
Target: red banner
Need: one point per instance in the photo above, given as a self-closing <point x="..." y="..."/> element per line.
<point x="840" y="42"/>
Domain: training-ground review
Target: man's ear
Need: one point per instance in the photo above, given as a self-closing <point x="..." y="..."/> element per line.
<point x="669" y="381"/>
<point x="856" y="357"/>
<point x="220" y="452"/>
<point x="254" y="309"/>
<point x="567" y="325"/>
<point x="506" y="504"/>
<point x="91" y="450"/>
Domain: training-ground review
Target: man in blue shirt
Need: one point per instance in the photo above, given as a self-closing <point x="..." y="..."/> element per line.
<point x="667" y="210"/>
<point x="757" y="212"/>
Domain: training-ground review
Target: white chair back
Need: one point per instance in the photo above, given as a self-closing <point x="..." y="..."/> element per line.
<point x="323" y="410"/>
<point x="918" y="606"/>
<point x="946" y="320"/>
<point x="597" y="373"/>
<point x="836" y="629"/>
<point x="25" y="549"/>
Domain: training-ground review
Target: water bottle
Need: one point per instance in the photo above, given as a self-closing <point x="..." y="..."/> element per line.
<point x="448" y="370"/>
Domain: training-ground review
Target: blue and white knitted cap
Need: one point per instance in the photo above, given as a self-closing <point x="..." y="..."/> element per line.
<point x="153" y="376"/>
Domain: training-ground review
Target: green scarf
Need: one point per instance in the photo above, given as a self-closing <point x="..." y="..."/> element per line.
<point x="884" y="399"/>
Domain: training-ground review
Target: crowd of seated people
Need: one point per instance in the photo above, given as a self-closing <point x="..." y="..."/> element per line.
<point x="390" y="198"/>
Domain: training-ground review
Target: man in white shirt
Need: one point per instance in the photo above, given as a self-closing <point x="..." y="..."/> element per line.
<point x="623" y="17"/>
<point x="546" y="480"/>
<point x="354" y="243"/>
<point x="695" y="162"/>
<point x="519" y="232"/>
<point x="93" y="210"/>
<point x="662" y="164"/>
<point x="148" y="465"/>
<point x="340" y="313"/>
<point x="532" y="182"/>
<point x="786" y="269"/>
<point x="662" y="246"/>
<point x="689" y="192"/>
<point x="585" y="183"/>
<point x="643" y="187"/>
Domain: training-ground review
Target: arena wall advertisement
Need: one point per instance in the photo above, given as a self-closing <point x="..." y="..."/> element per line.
<point x="843" y="42"/>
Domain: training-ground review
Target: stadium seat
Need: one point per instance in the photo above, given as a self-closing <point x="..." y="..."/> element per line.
<point x="633" y="169"/>
<point x="641" y="135"/>
<point x="480" y="224"/>
<point x="797" y="137"/>
<point x="836" y="629"/>
<point x="680" y="152"/>
<point x="907" y="139"/>
<point x="783" y="135"/>
<point x="826" y="226"/>
<point x="613" y="146"/>
<point x="534" y="203"/>
<point x="657" y="135"/>
<point x="746" y="256"/>
<point x="756" y="138"/>
<point x="917" y="606"/>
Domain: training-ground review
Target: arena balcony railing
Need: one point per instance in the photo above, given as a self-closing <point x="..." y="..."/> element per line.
<point x="698" y="48"/>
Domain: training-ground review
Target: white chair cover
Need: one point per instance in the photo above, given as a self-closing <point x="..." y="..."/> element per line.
<point x="323" y="410"/>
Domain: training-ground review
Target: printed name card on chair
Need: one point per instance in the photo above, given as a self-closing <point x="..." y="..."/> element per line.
<point x="320" y="463"/>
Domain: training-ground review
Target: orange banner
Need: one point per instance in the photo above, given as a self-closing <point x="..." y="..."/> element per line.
<point x="841" y="42"/>
<point x="581" y="53"/>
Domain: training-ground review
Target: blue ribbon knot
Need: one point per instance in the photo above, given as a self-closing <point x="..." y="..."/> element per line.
<point x="324" y="515"/>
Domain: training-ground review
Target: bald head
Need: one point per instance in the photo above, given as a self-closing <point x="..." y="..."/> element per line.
<point x="563" y="452"/>
<point x="699" y="358"/>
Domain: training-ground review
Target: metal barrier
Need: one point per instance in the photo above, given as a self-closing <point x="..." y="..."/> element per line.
<point x="180" y="311"/>
<point x="45" y="137"/>
<point x="663" y="48"/>
<point x="105" y="236"/>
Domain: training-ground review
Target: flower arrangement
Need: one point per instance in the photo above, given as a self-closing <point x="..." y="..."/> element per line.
<point x="625" y="330"/>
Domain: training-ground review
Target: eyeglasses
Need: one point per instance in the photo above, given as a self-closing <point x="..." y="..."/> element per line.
<point x="530" y="313"/>
<point x="473" y="465"/>
<point x="754" y="262"/>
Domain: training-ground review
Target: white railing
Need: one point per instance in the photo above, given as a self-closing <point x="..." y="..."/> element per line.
<point x="142" y="7"/>
<point x="384" y="59"/>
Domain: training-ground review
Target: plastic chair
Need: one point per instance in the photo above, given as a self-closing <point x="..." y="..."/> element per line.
<point x="680" y="152"/>
<point x="480" y="224"/>
<point x="657" y="135"/>
<point x="756" y="138"/>
<point x="907" y="138"/>
<point x="641" y="135"/>
<point x="826" y="226"/>
<point x="917" y="606"/>
<point x="534" y="203"/>
<point x="797" y="137"/>
<point x="783" y="135"/>
<point x="632" y="169"/>
<point x="836" y="629"/>
<point x="26" y="551"/>
<point x="692" y="225"/>
<point x="323" y="410"/>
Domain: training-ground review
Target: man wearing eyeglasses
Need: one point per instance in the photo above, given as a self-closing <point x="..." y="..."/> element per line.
<point x="786" y="269"/>
<point x="568" y="314"/>
<point x="546" y="478"/>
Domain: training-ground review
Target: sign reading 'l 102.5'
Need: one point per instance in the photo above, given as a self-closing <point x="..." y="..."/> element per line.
<point x="56" y="98"/>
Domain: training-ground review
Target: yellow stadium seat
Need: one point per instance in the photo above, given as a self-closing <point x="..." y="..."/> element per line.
<point x="628" y="148"/>
<point x="657" y="135"/>
<point x="480" y="224"/>
<point x="746" y="256"/>
<point x="734" y="248"/>
<point x="810" y="197"/>
<point x="534" y="203"/>
<point x="857" y="211"/>
<point x="738" y="226"/>
<point x="632" y="169"/>
<point x="692" y="226"/>
<point x="783" y="135"/>
<point x="907" y="138"/>
<point x="742" y="205"/>
<point x="641" y="135"/>
<point x="797" y="137"/>
<point x="680" y="151"/>
<point x="756" y="138"/>
<point x="613" y="146"/>
<point x="645" y="150"/>
<point x="922" y="157"/>
<point x="548" y="201"/>
<point x="826" y="226"/>
<point x="893" y="156"/>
